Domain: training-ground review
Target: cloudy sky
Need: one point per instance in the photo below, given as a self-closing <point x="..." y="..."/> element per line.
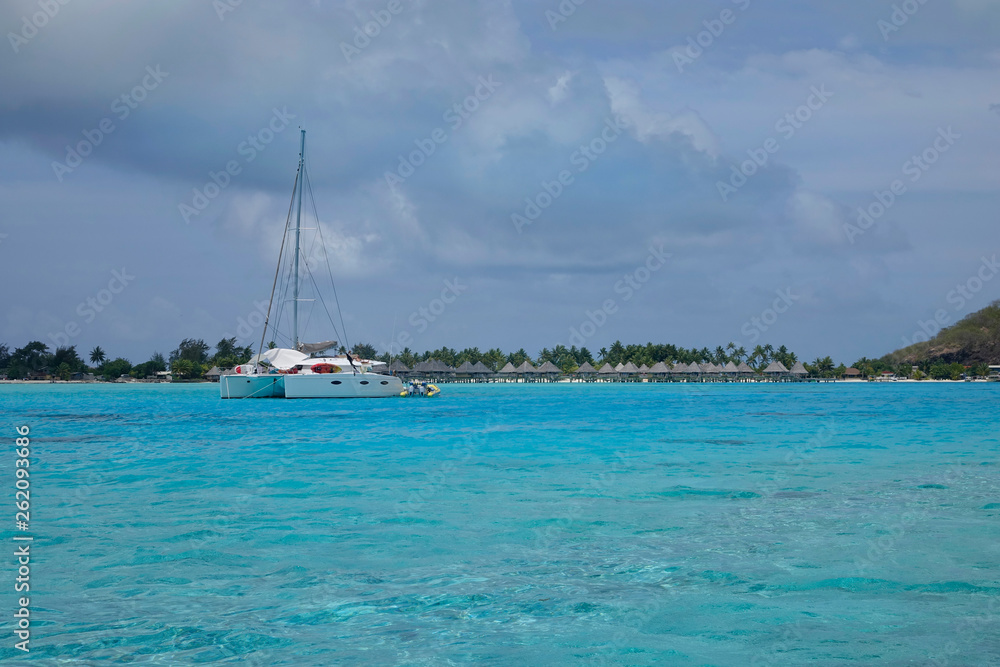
<point x="629" y="125"/>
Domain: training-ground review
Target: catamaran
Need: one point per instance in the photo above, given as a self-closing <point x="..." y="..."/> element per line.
<point x="304" y="370"/>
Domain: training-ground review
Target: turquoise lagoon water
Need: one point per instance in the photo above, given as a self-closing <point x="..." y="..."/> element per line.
<point x="839" y="524"/>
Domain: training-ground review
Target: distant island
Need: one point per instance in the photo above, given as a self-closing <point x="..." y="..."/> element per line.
<point x="965" y="350"/>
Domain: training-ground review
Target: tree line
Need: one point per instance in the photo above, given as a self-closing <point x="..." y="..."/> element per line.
<point x="193" y="358"/>
<point x="190" y="360"/>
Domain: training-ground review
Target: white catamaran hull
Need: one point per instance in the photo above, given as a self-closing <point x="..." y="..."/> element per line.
<point x="342" y="385"/>
<point x="252" y="386"/>
<point x="336" y="385"/>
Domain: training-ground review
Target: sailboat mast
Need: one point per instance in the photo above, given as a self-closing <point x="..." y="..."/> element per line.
<point x="298" y="230"/>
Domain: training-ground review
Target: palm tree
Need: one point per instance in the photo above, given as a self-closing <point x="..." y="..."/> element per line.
<point x="741" y="353"/>
<point x="97" y="356"/>
<point x="785" y="357"/>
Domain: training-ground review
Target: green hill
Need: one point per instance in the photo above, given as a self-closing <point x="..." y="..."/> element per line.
<point x="973" y="340"/>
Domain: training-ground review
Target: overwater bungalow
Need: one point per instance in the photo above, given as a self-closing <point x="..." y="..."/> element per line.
<point x="549" y="371"/>
<point x="608" y="372"/>
<point x="434" y="369"/>
<point x="659" y="371"/>
<point x="469" y="372"/>
<point x="526" y="368"/>
<point x="507" y="373"/>
<point x="423" y="367"/>
<point x="398" y="368"/>
<point x="586" y="371"/>
<point x="776" y="370"/>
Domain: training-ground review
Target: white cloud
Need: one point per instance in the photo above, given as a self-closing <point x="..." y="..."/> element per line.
<point x="650" y="124"/>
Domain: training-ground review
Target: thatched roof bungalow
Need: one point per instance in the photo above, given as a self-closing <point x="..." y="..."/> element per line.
<point x="397" y="367"/>
<point x="526" y="369"/>
<point x="549" y="369"/>
<point x="776" y="368"/>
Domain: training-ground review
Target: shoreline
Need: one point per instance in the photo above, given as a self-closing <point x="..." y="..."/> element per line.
<point x="562" y="381"/>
